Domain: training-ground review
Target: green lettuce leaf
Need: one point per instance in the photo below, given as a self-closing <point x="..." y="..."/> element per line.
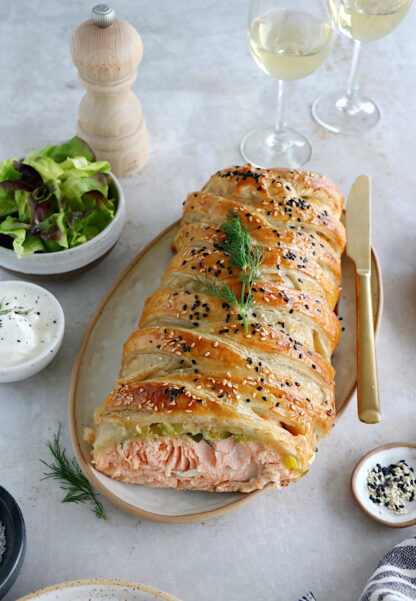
<point x="85" y="225"/>
<point x="74" y="187"/>
<point x="76" y="147"/>
<point x="7" y="200"/>
<point x="22" y="198"/>
<point x="23" y="242"/>
<point x="7" y="170"/>
<point x="30" y="245"/>
<point x="82" y="167"/>
<point x="42" y="152"/>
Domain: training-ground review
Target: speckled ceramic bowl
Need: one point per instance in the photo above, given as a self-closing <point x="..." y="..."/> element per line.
<point x="12" y="519"/>
<point x="21" y="371"/>
<point x="99" y="590"/>
<point x="73" y="259"/>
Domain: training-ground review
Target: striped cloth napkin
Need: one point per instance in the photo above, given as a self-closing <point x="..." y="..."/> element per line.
<point x="394" y="578"/>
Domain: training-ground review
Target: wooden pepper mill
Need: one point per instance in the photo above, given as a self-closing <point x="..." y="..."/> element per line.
<point x="107" y="52"/>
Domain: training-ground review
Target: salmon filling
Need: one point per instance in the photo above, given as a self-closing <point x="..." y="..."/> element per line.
<point x="181" y="463"/>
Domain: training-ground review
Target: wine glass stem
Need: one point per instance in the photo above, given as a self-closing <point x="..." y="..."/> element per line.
<point x="280" y="126"/>
<point x="353" y="85"/>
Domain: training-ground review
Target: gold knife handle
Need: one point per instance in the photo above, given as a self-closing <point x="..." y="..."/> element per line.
<point x="367" y="387"/>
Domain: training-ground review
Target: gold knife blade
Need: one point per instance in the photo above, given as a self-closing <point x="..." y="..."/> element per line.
<point x="358" y="223"/>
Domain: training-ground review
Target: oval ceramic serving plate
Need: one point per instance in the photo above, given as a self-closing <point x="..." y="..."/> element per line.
<point x="98" y="362"/>
<point x="98" y="590"/>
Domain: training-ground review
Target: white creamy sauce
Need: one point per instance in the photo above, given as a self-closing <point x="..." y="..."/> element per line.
<point x="28" y="324"/>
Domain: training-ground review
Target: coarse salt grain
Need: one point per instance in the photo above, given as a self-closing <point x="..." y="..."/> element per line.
<point x="2" y="540"/>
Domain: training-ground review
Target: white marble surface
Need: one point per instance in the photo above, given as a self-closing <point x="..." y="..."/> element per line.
<point x="201" y="92"/>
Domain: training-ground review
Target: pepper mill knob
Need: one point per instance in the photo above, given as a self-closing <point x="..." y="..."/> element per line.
<point x="103" y="15"/>
<point x="107" y="51"/>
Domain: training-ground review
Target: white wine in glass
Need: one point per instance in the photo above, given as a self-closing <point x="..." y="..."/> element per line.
<point x="287" y="43"/>
<point x="362" y="21"/>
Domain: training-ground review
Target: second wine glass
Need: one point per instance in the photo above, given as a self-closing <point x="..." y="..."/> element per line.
<point x="289" y="39"/>
<point x="349" y="111"/>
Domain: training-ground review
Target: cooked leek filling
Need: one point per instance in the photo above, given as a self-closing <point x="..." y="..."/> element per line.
<point x="108" y="435"/>
<point x="175" y="430"/>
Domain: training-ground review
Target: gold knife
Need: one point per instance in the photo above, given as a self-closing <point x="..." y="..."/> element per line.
<point x="358" y="224"/>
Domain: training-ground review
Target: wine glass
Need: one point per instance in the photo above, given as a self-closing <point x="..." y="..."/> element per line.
<point x="289" y="39"/>
<point x="362" y="20"/>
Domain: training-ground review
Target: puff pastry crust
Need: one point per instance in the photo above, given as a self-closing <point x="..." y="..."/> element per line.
<point x="201" y="403"/>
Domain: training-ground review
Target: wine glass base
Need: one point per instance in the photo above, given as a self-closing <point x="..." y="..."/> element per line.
<point x="345" y="115"/>
<point x="264" y="147"/>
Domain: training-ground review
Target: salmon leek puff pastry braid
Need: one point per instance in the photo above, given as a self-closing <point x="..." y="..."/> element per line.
<point x="227" y="384"/>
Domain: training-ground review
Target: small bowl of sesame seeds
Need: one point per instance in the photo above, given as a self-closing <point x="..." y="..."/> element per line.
<point x="383" y="484"/>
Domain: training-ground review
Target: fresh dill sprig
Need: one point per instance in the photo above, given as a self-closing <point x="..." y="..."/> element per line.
<point x="17" y="311"/>
<point x="214" y="289"/>
<point x="73" y="482"/>
<point x="246" y="257"/>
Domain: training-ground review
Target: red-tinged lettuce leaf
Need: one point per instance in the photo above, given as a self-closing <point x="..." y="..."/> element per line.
<point x="47" y="168"/>
<point x="94" y="198"/>
<point x="28" y="176"/>
<point x="50" y="192"/>
<point x="28" y="180"/>
<point x="53" y="229"/>
<point x="41" y="210"/>
<point x="11" y="185"/>
<point x="34" y="207"/>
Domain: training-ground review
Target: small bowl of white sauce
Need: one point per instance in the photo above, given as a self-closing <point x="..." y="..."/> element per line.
<point x="32" y="327"/>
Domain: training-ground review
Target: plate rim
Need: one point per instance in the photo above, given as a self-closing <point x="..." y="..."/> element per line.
<point x="101" y="581"/>
<point x="86" y="467"/>
<point x="354" y="477"/>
